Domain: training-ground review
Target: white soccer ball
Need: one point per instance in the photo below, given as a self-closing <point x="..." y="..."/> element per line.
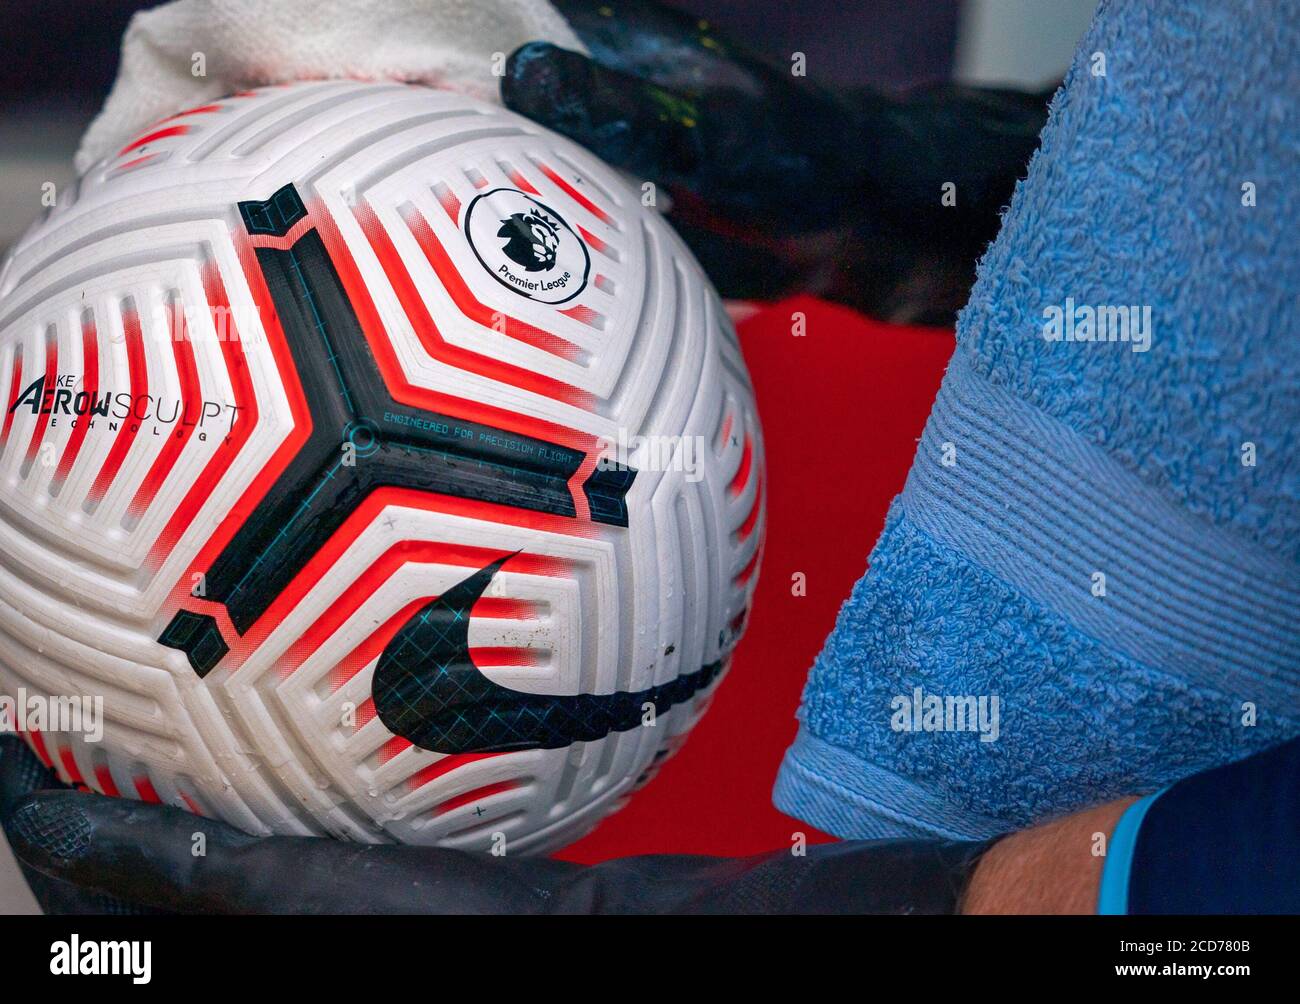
<point x="378" y="464"/>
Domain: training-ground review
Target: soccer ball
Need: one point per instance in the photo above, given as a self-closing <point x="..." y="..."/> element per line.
<point x="377" y="464"/>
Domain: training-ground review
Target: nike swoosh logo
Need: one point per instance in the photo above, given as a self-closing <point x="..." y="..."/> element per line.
<point x="427" y="689"/>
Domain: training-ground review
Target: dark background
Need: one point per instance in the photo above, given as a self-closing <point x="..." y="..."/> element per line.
<point x="58" y="59"/>
<point x="63" y="53"/>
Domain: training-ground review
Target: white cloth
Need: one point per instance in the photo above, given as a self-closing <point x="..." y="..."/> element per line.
<point x="248" y="43"/>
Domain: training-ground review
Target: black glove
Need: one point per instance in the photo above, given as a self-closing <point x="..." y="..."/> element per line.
<point x="779" y="185"/>
<point x="84" y="853"/>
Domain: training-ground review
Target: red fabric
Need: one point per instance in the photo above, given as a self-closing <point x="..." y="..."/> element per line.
<point x="842" y="407"/>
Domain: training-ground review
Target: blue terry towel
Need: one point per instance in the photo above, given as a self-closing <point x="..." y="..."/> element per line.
<point x="1090" y="585"/>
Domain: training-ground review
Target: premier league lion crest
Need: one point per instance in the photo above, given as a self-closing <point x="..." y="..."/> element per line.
<point x="531" y="240"/>
<point x="527" y="246"/>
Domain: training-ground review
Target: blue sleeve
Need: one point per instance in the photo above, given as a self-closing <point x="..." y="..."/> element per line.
<point x="1226" y="841"/>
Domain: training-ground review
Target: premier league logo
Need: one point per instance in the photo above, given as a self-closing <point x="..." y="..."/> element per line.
<point x="531" y="240"/>
<point x="527" y="246"/>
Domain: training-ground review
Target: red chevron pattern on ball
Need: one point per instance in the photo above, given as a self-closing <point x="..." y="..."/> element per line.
<point x="339" y="404"/>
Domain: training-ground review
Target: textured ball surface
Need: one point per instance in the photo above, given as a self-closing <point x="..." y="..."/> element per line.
<point x="389" y="470"/>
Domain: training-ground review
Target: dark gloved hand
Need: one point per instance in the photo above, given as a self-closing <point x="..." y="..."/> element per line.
<point x="84" y="853"/>
<point x="779" y="185"/>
